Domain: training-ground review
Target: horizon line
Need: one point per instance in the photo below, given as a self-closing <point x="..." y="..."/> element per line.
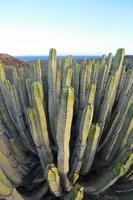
<point x="60" y="55"/>
<point x="26" y="55"/>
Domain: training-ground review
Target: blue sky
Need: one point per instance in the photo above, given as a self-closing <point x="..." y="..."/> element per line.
<point x="78" y="27"/>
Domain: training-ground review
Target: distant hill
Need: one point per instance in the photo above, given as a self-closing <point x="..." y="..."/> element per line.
<point x="10" y="60"/>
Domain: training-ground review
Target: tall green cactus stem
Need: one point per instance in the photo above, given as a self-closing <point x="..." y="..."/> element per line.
<point x="121" y="82"/>
<point x="117" y="65"/>
<point x="7" y="147"/>
<point x="7" y="120"/>
<point x="14" y="138"/>
<point x="52" y="104"/>
<point x="35" y="70"/>
<point x="108" y="70"/>
<point x="82" y="93"/>
<point x="29" y="91"/>
<point x="63" y="133"/>
<point x="118" y="117"/>
<point x="69" y="60"/>
<point x="37" y="137"/>
<point x="117" y="71"/>
<point x="94" y="73"/>
<point x="127" y="83"/>
<point x="89" y="99"/>
<point x="15" y="111"/>
<point x="14" y="75"/>
<point x="103" y="60"/>
<point x="20" y="119"/>
<point x="100" y="86"/>
<point x="78" y="153"/>
<point x="5" y="88"/>
<point x="42" y="120"/>
<point x="39" y="70"/>
<point x="68" y="77"/>
<point x="90" y="96"/>
<point x="75" y="85"/>
<point x="111" y="88"/>
<point x="88" y="77"/>
<point x="116" y="139"/>
<point x="6" y="188"/>
<point x="58" y="83"/>
<point x="9" y="170"/>
<point x="91" y="147"/>
<point x="18" y="150"/>
<point x="128" y="134"/>
<point x="82" y="89"/>
<point x="105" y="106"/>
<point x="19" y="82"/>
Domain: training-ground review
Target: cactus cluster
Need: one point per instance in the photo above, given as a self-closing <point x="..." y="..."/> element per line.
<point x="67" y="133"/>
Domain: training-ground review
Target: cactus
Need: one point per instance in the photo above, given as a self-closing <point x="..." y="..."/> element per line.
<point x="53" y="179"/>
<point x="6" y="188"/>
<point x="63" y="133"/>
<point x="84" y="127"/>
<point x="52" y="101"/>
<point x="66" y="131"/>
<point x="91" y="147"/>
<point x="75" y="194"/>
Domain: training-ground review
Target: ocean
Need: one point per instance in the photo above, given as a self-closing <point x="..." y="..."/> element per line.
<point x="31" y="58"/>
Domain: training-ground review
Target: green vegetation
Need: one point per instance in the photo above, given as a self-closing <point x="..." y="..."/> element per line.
<point x="67" y="131"/>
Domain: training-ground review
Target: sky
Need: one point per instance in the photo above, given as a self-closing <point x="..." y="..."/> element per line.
<point x="78" y="27"/>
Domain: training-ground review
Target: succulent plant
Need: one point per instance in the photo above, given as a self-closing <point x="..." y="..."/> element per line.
<point x="67" y="132"/>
